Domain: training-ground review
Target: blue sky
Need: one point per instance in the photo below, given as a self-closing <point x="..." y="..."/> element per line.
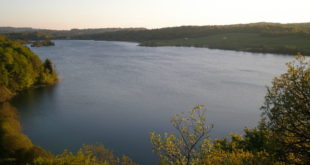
<point x="67" y="14"/>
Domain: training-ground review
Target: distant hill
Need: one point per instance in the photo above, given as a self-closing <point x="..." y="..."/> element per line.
<point x="254" y="37"/>
<point x="42" y="34"/>
<point x="102" y="30"/>
<point x="14" y="29"/>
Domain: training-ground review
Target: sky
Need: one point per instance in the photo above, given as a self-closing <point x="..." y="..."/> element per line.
<point x="68" y="14"/>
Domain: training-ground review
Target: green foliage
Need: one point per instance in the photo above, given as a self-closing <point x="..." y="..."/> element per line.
<point x="287" y="109"/>
<point x="48" y="74"/>
<point x="254" y="140"/>
<point x="187" y="147"/>
<point x="88" y="155"/>
<point x="15" y="147"/>
<point x="31" y="35"/>
<point x="236" y="157"/>
<point x="20" y="69"/>
<point x="194" y="147"/>
<point x="48" y="66"/>
<point x="42" y="43"/>
<point x="6" y="94"/>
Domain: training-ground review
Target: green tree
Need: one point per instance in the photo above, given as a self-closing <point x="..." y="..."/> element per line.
<point x="287" y="110"/>
<point x="48" y="65"/>
<point x="20" y="69"/>
<point x="189" y="146"/>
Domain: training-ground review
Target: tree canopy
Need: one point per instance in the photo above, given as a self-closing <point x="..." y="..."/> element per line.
<point x="20" y="68"/>
<point x="287" y="109"/>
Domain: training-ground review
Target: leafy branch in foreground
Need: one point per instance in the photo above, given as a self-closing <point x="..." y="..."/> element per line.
<point x="194" y="147"/>
<point x="187" y="148"/>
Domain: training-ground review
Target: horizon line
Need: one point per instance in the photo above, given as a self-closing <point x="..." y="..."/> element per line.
<point x="37" y="28"/>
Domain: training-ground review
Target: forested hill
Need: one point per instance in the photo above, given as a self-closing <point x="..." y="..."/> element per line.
<point x="255" y="37"/>
<point x="265" y="29"/>
<point x="21" y="69"/>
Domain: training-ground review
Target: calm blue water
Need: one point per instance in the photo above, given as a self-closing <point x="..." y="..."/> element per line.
<point x="117" y="92"/>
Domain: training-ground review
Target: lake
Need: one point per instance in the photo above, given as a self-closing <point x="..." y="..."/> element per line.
<point x="117" y="93"/>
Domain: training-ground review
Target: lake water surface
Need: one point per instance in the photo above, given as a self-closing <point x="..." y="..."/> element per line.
<point x="117" y="93"/>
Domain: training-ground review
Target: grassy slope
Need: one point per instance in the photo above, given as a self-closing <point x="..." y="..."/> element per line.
<point x="256" y="37"/>
<point x="252" y="42"/>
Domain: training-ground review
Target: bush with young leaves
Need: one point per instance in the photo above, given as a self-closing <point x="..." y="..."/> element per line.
<point x="187" y="147"/>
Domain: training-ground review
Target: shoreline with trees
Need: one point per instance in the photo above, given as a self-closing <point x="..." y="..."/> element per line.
<point x="282" y="136"/>
<point x="20" y="69"/>
<point x="262" y="37"/>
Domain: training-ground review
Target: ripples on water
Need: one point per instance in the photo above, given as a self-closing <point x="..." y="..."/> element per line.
<point x="117" y="92"/>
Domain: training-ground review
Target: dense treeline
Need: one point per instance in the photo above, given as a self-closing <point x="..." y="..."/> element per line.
<point x="44" y="34"/>
<point x="13" y="29"/>
<point x="21" y="69"/>
<point x="265" y="29"/>
<point x="34" y="35"/>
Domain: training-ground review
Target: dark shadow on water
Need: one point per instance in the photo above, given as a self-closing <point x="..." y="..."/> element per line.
<point x="27" y="100"/>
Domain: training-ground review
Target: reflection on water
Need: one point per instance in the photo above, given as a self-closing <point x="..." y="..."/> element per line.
<point x="30" y="97"/>
<point x="117" y="92"/>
